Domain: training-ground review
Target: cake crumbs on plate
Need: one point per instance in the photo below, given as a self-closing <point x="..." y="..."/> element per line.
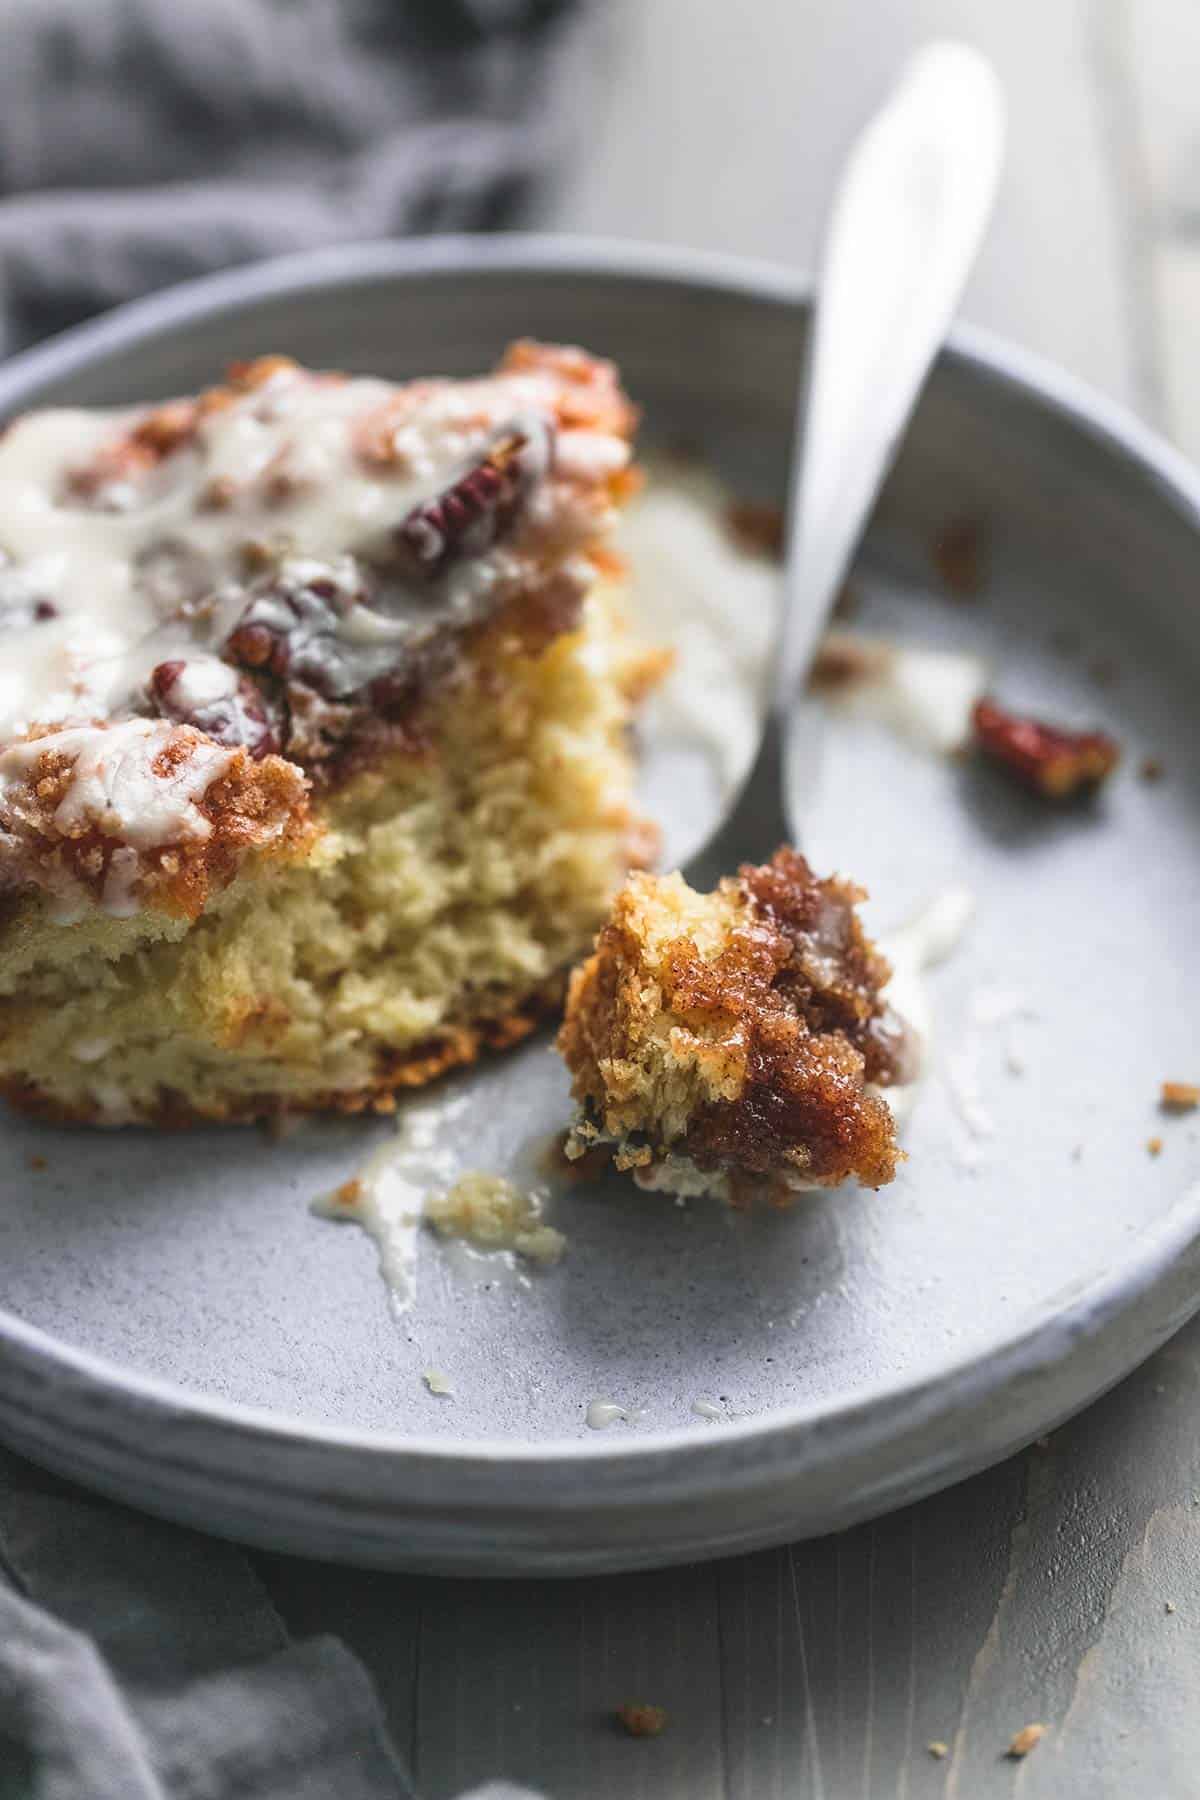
<point x="1154" y="1146"/>
<point x="640" y="1720"/>
<point x="757" y="526"/>
<point x="1168" y="1606"/>
<point x="937" y="1748"/>
<point x="1151" y="769"/>
<point x="1026" y="1739"/>
<point x="1180" y="1096"/>
<point x="489" y="1212"/>
<point x="959" y="556"/>
<point x="437" y="1383"/>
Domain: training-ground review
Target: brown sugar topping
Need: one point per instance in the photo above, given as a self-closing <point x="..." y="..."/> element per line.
<point x="804" y="983"/>
<point x="783" y="1007"/>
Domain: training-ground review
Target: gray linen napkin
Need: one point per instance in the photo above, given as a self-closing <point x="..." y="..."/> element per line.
<point x="140" y="1661"/>
<point x="142" y="141"/>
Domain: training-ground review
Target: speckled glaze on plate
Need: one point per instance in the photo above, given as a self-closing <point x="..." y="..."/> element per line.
<point x="179" y="1331"/>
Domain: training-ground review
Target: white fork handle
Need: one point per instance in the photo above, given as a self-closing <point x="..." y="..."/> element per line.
<point x="906" y="223"/>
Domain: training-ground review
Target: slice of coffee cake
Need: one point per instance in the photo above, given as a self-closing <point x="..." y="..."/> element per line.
<point x="734" y="1041"/>
<point x="313" y="706"/>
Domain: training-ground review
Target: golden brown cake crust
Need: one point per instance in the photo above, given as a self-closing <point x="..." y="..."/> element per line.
<point x="789" y="1015"/>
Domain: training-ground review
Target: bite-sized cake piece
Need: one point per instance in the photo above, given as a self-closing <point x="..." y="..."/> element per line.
<point x="314" y="695"/>
<point x="736" y="1040"/>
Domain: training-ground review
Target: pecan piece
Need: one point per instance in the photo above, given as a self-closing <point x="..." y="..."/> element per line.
<point x="309" y="624"/>
<point x="217" y="700"/>
<point x="290" y="628"/>
<point x="1055" y="763"/>
<point x="482" y="504"/>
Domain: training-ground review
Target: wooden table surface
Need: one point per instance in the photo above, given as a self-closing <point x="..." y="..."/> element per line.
<point x="1064" y="1586"/>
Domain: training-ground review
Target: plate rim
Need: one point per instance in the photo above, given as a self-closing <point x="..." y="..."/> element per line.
<point x="1157" y="1262"/>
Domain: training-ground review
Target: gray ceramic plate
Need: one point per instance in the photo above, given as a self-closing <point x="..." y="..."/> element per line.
<point x="181" y="1332"/>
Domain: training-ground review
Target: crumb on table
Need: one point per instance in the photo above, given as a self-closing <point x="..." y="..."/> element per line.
<point x="1180" y="1096"/>
<point x="938" y="1749"/>
<point x="640" y="1720"/>
<point x="1154" y="1146"/>
<point x="1026" y="1738"/>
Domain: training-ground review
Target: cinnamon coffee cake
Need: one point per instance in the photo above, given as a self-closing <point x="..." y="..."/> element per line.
<point x="313" y="705"/>
<point x="737" y="1041"/>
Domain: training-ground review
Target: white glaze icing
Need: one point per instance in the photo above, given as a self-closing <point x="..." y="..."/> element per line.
<point x="118" y="571"/>
<point x="924" y="941"/>
<point x="115" y="785"/>
<point x="386" y="1196"/>
<point x="601" y="1414"/>
<point x="686" y="570"/>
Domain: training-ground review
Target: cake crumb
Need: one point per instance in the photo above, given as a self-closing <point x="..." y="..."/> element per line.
<point x="348" y="1194"/>
<point x="38" y="1162"/>
<point x="490" y="1213"/>
<point x="1025" y="1740"/>
<point x="1154" y="1146"/>
<point x="959" y="555"/>
<point x="938" y="1749"/>
<point x="437" y="1383"/>
<point x="1168" y="1606"/>
<point x="1151" y="769"/>
<point x="1180" y="1096"/>
<point x="756" y="526"/>
<point x="640" y="1720"/>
